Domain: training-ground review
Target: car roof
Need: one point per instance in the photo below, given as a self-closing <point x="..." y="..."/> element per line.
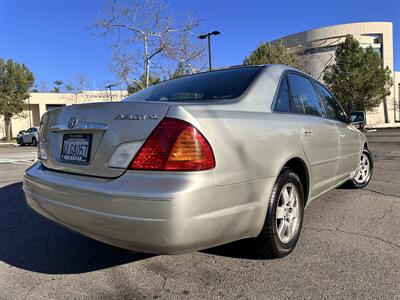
<point x="263" y="66"/>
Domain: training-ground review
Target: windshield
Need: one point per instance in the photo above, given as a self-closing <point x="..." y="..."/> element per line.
<point x="216" y="85"/>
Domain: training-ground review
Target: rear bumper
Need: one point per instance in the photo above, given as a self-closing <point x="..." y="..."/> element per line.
<point x="154" y="212"/>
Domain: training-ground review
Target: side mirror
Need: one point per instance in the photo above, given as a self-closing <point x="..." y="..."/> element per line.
<point x="357" y="118"/>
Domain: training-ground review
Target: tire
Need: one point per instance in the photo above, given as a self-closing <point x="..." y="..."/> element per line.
<point x="364" y="171"/>
<point x="34" y="142"/>
<point x="272" y="241"/>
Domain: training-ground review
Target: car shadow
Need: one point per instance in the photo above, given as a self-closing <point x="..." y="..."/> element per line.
<point x="242" y="249"/>
<point x="30" y="242"/>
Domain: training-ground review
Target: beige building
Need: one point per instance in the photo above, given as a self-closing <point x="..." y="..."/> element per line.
<point x="39" y="103"/>
<point x="317" y="50"/>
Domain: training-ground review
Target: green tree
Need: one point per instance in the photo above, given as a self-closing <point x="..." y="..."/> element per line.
<point x="34" y="89"/>
<point x="273" y="53"/>
<point x="136" y="86"/>
<point x="357" y="78"/>
<point x="15" y="81"/>
<point x="57" y="86"/>
<point x="180" y="71"/>
<point x="69" y="88"/>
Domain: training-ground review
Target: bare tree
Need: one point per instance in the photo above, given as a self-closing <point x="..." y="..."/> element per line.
<point x="123" y="66"/>
<point x="144" y="35"/>
<point x="188" y="53"/>
<point x="43" y="87"/>
<point x="76" y="87"/>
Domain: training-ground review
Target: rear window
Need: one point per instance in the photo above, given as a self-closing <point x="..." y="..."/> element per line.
<point x="216" y="85"/>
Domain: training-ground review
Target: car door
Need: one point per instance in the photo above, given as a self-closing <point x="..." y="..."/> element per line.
<point x="349" y="137"/>
<point x="319" y="135"/>
<point x="28" y="136"/>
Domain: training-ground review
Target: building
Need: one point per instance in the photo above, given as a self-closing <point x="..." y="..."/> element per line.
<point x="316" y="49"/>
<point x="39" y="103"/>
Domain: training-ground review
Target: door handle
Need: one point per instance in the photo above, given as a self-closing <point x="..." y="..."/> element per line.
<point x="306" y="131"/>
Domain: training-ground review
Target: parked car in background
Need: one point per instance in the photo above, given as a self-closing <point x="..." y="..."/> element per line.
<point x="20" y="133"/>
<point x="30" y="136"/>
<point x="198" y="161"/>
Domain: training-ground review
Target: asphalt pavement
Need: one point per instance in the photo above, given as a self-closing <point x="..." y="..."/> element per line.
<point x="349" y="248"/>
<point x="17" y="155"/>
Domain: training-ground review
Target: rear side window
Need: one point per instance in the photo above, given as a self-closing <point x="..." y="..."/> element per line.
<point x="332" y="108"/>
<point x="304" y="95"/>
<point x="216" y="85"/>
<point x="282" y="103"/>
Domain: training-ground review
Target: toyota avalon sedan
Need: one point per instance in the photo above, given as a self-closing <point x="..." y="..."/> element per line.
<point x="198" y="161"/>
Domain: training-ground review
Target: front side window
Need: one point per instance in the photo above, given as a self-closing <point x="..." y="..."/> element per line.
<point x="282" y="103"/>
<point x="304" y="95"/>
<point x="208" y="86"/>
<point x="332" y="108"/>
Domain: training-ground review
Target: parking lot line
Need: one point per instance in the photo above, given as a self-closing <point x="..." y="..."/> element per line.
<point x="18" y="162"/>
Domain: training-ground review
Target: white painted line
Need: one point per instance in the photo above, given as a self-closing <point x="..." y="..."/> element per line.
<point x="10" y="159"/>
<point x="16" y="162"/>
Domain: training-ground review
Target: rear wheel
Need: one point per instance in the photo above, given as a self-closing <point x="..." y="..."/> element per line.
<point x="284" y="219"/>
<point x="364" y="171"/>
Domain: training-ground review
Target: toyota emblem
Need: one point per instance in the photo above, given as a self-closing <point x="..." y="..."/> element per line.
<point x="72" y="122"/>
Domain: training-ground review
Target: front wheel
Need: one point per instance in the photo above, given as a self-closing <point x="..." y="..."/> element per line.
<point x="284" y="218"/>
<point x="363" y="172"/>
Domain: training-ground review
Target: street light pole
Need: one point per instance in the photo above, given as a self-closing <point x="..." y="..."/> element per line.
<point x="208" y="36"/>
<point x="109" y="87"/>
<point x="209" y="52"/>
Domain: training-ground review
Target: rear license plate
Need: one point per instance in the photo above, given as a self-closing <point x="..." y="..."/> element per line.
<point x="76" y="147"/>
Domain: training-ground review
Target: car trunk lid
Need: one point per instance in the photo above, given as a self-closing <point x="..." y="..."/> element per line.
<point x="95" y="130"/>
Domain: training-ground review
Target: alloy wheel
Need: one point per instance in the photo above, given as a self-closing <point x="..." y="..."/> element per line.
<point x="288" y="213"/>
<point x="364" y="170"/>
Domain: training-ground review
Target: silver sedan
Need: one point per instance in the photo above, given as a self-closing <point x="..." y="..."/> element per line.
<point x="198" y="161"/>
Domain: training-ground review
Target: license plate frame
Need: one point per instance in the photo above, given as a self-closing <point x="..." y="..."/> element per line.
<point x="86" y="140"/>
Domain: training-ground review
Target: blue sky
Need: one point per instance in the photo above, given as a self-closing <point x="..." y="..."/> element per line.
<point x="51" y="36"/>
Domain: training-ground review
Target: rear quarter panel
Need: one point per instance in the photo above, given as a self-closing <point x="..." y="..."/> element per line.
<point x="247" y="145"/>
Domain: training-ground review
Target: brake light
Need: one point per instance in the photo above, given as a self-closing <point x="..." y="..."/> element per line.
<point x="174" y="145"/>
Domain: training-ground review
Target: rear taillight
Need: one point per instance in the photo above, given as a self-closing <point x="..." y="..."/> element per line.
<point x="174" y="145"/>
<point x="41" y="151"/>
